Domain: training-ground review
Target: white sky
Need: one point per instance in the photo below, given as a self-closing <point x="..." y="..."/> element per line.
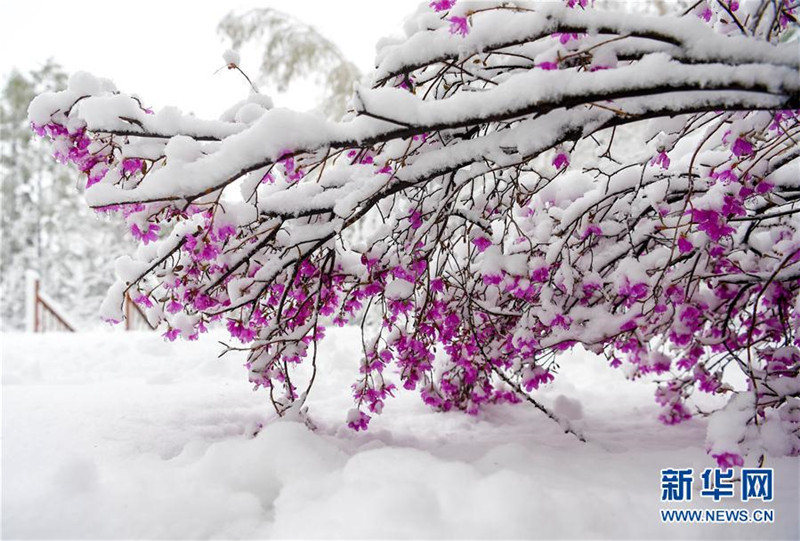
<point x="167" y="51"/>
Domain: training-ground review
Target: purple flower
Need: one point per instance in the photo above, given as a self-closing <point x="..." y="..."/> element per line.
<point x="572" y="3"/>
<point x="662" y="159"/>
<point x="458" y="25"/>
<point x="147" y="235"/>
<point x="628" y="325"/>
<point x="711" y="222"/>
<point x="442" y="5"/>
<point x="237" y="330"/>
<point x="226" y="231"/>
<point x="357" y="420"/>
<point x="95" y="178"/>
<point x="415" y="218"/>
<point x="633" y="292"/>
<point x="684" y="245"/>
<point x="542" y="274"/>
<point x="203" y="302"/>
<point x="764" y="187"/>
<point x="171" y="334"/>
<point x="548" y="65"/>
<point x="741" y="147"/>
<point x="174" y="307"/>
<point x="726" y="177"/>
<point x="482" y="243"/>
<point x="536" y="377"/>
<point x="727" y="460"/>
<point x="674" y="415"/>
<point x="561" y="160"/>
<point x="132" y="165"/>
<point x="593" y="229"/>
<point x="565" y="38"/>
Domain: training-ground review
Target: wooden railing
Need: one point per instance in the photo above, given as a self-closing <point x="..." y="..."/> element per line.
<point x="43" y="314"/>
<point x="135" y="319"/>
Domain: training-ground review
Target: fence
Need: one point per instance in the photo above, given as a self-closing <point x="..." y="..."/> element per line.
<point x="135" y="318"/>
<point x="43" y="314"/>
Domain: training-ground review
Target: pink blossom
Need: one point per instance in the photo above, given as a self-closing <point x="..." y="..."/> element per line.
<point x="171" y="334"/>
<point x="481" y="243"/>
<point x="684" y="245"/>
<point x="633" y="291"/>
<point x="741" y="147"/>
<point x="728" y="460"/>
<point x="711" y="222"/>
<point x="146" y="236"/>
<point x="358" y="420"/>
<point x="764" y="187"/>
<point x="442" y="5"/>
<point x="415" y="218"/>
<point x="593" y="229"/>
<point x="561" y="160"/>
<point x="238" y="330"/>
<point x="726" y="176"/>
<point x="572" y="3"/>
<point x="94" y="178"/>
<point x="675" y="414"/>
<point x="203" y="302"/>
<point x="564" y="38"/>
<point x="542" y="274"/>
<point x="536" y="377"/>
<point x="458" y="25"/>
<point x="661" y="159"/>
<point x="787" y="15"/>
<point x="226" y="231"/>
<point x="628" y="325"/>
<point x="132" y="165"/>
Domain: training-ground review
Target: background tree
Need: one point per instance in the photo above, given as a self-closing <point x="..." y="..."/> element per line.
<point x="541" y="176"/>
<point x="44" y="226"/>
<point x="291" y="51"/>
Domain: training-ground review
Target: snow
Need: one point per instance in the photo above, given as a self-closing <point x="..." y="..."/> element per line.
<point x="123" y="435"/>
<point x="30" y="296"/>
<point x="399" y="289"/>
<point x="231" y="57"/>
<point x="684" y="37"/>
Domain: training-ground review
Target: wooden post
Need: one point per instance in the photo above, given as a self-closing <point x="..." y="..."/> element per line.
<point x="134" y="312"/>
<point x="37" y="323"/>
<point x="41" y="311"/>
<point x="128" y="322"/>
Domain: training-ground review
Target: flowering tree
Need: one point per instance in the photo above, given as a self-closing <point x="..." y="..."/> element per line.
<point x="531" y="177"/>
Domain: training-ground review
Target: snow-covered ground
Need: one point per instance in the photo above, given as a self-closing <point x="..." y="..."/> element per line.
<point x="115" y="435"/>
